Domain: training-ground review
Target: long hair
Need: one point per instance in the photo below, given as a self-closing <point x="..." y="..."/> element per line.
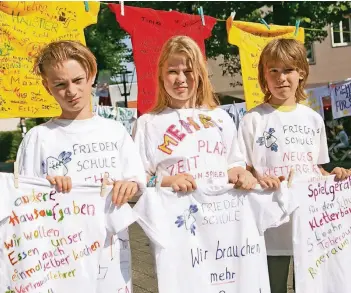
<point x="60" y="51"/>
<point x="203" y="91"/>
<point x="291" y="53"/>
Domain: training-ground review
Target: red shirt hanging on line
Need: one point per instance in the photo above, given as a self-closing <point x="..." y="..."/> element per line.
<point x="149" y="30"/>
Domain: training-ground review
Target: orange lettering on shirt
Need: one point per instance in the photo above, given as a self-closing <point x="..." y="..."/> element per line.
<point x="167" y="140"/>
<point x="206" y="121"/>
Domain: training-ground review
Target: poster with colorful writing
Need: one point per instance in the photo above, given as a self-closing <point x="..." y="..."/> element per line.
<point x="210" y="240"/>
<point x="340" y="94"/>
<point x="321" y="235"/>
<point x="25" y="27"/>
<point x="251" y="38"/>
<point x="53" y="242"/>
<point x="149" y="30"/>
<point x="315" y="98"/>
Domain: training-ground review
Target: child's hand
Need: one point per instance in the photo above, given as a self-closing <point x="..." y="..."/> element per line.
<point x="270" y="182"/>
<point x="183" y="182"/>
<point x="340" y="173"/>
<point x="123" y="191"/>
<point x="241" y="178"/>
<point x="62" y="183"/>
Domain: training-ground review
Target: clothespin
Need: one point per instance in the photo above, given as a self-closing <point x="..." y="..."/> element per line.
<point x="264" y="22"/>
<point x="104" y="183"/>
<point x="122" y="7"/>
<point x="15" y="173"/>
<point x="86" y="5"/>
<point x="297" y="24"/>
<point x="233" y="14"/>
<point x="290" y="177"/>
<point x="201" y="12"/>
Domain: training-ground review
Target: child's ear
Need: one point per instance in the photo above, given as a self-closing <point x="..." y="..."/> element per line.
<point x="45" y="84"/>
<point x="302" y="73"/>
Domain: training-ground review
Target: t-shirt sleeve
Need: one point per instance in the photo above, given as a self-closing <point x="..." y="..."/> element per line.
<point x="28" y="155"/>
<point x="272" y="209"/>
<point x="234" y="156"/>
<point x="151" y="216"/>
<point x="143" y="145"/>
<point x="245" y="139"/>
<point x="209" y="24"/>
<point x="232" y="33"/>
<point x="323" y="157"/>
<point x="118" y="218"/>
<point x="132" y="165"/>
<point x="131" y="19"/>
<point x="6" y="188"/>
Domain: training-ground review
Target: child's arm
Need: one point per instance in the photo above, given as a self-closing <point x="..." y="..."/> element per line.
<point x="266" y="182"/>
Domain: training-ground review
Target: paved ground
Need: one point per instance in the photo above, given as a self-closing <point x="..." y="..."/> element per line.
<point x="144" y="280"/>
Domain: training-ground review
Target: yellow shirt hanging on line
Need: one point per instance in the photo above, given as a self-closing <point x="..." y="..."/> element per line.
<point x="251" y="38"/>
<point x="25" y="27"/>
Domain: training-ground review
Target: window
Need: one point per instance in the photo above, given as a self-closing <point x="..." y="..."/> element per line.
<point x="340" y="33"/>
<point x="310" y="54"/>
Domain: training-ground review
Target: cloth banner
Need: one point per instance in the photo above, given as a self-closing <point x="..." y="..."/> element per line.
<point x="315" y="98"/>
<point x="54" y="242"/>
<point x="321" y="235"/>
<point x="236" y="111"/>
<point x="149" y="30"/>
<point x="340" y="94"/>
<point x="127" y="116"/>
<point x="25" y="27"/>
<point x="210" y="240"/>
<point x="251" y="38"/>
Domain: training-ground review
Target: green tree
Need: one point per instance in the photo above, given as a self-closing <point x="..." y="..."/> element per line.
<point x="105" y="40"/>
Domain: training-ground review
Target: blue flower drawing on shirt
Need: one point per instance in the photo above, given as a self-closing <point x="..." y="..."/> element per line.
<point x="269" y="140"/>
<point x="188" y="219"/>
<point x="57" y="166"/>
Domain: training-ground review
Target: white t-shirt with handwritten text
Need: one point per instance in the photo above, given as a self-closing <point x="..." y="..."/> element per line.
<point x="273" y="142"/>
<point x="321" y="230"/>
<point x="85" y="150"/>
<point x="197" y="141"/>
<point x="210" y="241"/>
<point x="52" y="242"/>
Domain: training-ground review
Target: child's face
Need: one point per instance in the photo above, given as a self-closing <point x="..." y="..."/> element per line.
<point x="178" y="80"/>
<point x="68" y="83"/>
<point x="282" y="82"/>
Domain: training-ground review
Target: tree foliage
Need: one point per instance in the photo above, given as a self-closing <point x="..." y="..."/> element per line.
<point x="105" y="40"/>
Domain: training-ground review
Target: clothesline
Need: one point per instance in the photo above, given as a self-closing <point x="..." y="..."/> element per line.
<point x="309" y="29"/>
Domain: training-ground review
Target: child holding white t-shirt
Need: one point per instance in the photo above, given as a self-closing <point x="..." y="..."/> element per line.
<point x="281" y="134"/>
<point x="77" y="145"/>
<point x="186" y="139"/>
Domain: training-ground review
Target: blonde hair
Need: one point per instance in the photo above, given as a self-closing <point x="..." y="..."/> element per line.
<point x="204" y="91"/>
<point x="291" y="53"/>
<point x="60" y="51"/>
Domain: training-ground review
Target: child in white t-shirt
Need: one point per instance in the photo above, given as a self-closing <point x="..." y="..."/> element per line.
<point x="186" y="139"/>
<point x="77" y="145"/>
<point x="282" y="134"/>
